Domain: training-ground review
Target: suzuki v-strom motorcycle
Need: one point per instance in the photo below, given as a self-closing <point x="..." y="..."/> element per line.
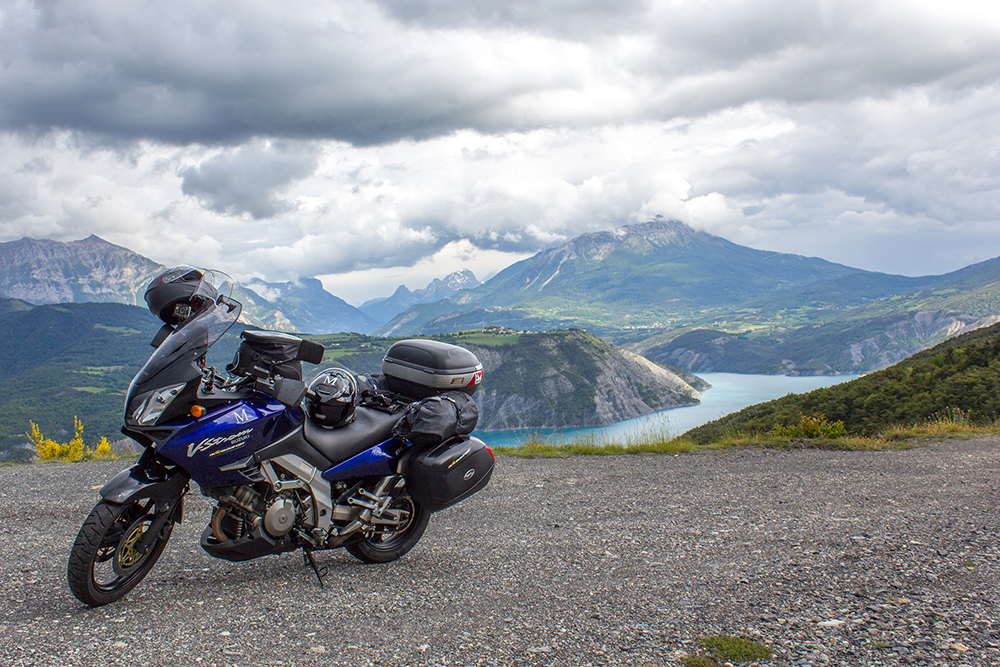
<point x="362" y="465"/>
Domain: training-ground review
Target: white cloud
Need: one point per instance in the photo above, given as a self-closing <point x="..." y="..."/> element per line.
<point x="370" y="140"/>
<point x="356" y="287"/>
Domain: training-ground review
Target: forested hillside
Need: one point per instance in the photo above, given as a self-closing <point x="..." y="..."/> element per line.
<point x="59" y="361"/>
<point x="962" y="373"/>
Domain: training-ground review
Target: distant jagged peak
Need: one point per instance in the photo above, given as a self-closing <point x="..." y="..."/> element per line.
<point x="93" y="239"/>
<point x="464" y="279"/>
<point x="440" y="288"/>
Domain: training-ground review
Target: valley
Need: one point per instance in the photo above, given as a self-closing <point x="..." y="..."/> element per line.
<point x="604" y="327"/>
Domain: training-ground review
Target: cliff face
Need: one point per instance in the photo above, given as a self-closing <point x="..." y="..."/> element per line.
<point x="572" y="378"/>
<point x="43" y="271"/>
<point x="924" y="329"/>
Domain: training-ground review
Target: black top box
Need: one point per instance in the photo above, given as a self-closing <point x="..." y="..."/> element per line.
<point x="419" y="368"/>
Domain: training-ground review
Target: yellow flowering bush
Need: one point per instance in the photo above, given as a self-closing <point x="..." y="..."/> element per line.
<point x="74" y="450"/>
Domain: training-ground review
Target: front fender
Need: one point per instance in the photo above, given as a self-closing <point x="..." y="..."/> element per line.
<point x="135" y="482"/>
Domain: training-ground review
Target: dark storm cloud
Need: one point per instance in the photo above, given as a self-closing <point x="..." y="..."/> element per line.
<point x="365" y="73"/>
<point x="249" y="179"/>
<point x="215" y="73"/>
<point x="558" y="17"/>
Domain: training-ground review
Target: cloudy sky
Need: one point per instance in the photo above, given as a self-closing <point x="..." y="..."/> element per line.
<point x="379" y="142"/>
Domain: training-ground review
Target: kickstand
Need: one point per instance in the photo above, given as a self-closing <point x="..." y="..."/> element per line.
<point x="307" y="559"/>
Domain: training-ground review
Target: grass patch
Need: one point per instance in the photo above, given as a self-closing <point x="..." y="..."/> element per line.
<point x="949" y="423"/>
<point x="843" y="443"/>
<point x="648" y="442"/>
<point x="100" y="370"/>
<point x="736" y="649"/>
<point x="700" y="661"/>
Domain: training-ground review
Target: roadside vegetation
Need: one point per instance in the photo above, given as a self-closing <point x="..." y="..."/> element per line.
<point x="49" y="450"/>
<point x="808" y="432"/>
<point x="951" y="387"/>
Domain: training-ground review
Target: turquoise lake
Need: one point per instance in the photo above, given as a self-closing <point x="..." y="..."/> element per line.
<point x="730" y="392"/>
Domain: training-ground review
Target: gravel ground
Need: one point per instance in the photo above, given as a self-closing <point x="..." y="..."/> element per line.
<point x="830" y="557"/>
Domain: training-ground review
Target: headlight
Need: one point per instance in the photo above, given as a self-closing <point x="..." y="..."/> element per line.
<point x="151" y="409"/>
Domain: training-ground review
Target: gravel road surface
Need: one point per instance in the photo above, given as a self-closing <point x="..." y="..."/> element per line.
<point x="843" y="558"/>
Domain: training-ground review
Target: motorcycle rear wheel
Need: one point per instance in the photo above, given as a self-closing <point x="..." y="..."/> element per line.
<point x="389" y="544"/>
<point x="104" y="563"/>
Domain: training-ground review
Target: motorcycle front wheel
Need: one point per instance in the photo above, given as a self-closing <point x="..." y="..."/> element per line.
<point x="106" y="561"/>
<point x="391" y="542"/>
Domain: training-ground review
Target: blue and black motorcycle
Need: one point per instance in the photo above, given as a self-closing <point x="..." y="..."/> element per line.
<point x="350" y="461"/>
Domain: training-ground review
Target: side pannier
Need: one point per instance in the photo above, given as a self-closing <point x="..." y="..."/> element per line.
<point x="441" y="476"/>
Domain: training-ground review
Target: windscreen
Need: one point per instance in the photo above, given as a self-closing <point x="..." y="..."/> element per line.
<point x="192" y="339"/>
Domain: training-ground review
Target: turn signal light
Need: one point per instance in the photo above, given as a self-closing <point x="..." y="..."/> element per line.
<point x="197" y="411"/>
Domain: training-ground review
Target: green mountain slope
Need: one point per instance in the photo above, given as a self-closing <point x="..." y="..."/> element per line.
<point x="572" y="378"/>
<point x="645" y="275"/>
<point x="699" y="302"/>
<point x="855" y="323"/>
<point x="961" y="373"/>
<point x="58" y="361"/>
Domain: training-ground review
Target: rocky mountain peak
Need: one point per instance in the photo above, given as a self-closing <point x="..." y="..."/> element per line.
<point x="91" y="269"/>
<point x="384" y="309"/>
<point x="642" y="238"/>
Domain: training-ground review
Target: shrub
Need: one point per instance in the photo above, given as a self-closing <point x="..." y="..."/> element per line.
<point x="816" y="426"/>
<point x="74" y="450"/>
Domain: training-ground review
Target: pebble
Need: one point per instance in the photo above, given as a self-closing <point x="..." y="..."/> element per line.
<point x="760" y="544"/>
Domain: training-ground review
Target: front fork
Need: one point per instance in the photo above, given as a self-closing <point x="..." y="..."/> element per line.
<point x="149" y="479"/>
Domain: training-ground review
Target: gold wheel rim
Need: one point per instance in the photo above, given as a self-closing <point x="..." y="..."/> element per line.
<point x="128" y="555"/>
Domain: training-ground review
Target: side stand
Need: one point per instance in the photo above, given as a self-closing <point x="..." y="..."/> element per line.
<point x="307" y="559"/>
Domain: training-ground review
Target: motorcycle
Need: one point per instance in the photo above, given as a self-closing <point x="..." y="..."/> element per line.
<point x="359" y="462"/>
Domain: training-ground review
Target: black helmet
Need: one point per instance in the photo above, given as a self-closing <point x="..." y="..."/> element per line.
<point x="176" y="294"/>
<point x="332" y="398"/>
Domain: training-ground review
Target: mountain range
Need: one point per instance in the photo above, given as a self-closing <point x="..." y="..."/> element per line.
<point x="93" y="270"/>
<point x="660" y="289"/>
<point x="384" y="309"/>
<point x="702" y="303"/>
<point x="658" y="274"/>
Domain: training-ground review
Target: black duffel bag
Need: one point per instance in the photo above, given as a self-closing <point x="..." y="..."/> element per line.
<point x="437" y="419"/>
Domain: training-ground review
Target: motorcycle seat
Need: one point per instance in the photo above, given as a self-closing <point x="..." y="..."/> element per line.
<point x="369" y="428"/>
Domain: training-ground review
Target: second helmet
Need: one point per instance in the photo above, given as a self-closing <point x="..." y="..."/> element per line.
<point x="332" y="398"/>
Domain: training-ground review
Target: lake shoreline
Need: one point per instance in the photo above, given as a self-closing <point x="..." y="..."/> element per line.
<point x="730" y="392"/>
